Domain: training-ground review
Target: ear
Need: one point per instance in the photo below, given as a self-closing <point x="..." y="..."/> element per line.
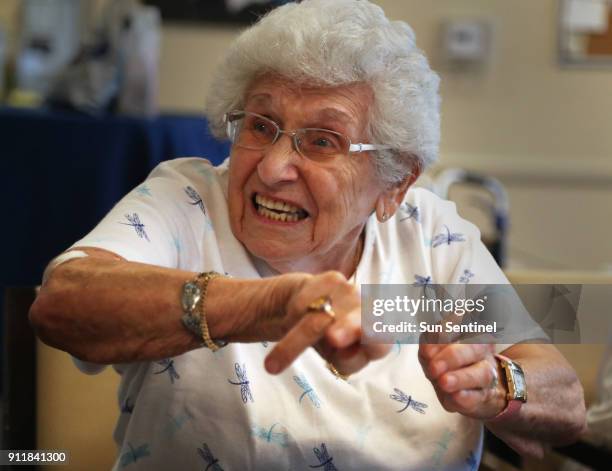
<point x="390" y="199"/>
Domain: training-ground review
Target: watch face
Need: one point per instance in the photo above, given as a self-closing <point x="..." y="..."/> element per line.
<point x="518" y="382"/>
<point x="191" y="296"/>
<point x="518" y="378"/>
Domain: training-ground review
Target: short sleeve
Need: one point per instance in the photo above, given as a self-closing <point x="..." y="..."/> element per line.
<point x="458" y="253"/>
<point x="459" y="257"/>
<point x="88" y="367"/>
<point x="158" y="222"/>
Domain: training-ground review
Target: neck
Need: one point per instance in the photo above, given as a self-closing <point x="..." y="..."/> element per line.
<point x="345" y="262"/>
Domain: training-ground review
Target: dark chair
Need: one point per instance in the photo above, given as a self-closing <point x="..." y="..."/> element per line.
<point x="19" y="373"/>
<point x="595" y="457"/>
<point x="34" y="370"/>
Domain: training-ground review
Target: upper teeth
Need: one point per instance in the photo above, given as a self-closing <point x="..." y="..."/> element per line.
<point x="276" y="205"/>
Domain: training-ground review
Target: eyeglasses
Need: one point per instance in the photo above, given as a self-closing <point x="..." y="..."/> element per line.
<point x="253" y="131"/>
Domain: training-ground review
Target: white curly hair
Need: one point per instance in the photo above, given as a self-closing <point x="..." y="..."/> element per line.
<point x="337" y="42"/>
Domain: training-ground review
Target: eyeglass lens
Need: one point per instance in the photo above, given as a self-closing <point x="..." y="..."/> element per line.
<point x="255" y="132"/>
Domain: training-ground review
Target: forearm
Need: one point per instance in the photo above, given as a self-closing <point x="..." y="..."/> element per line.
<point x="111" y="311"/>
<point x="554" y="413"/>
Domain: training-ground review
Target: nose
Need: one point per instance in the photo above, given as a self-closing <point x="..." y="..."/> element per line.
<point x="278" y="164"/>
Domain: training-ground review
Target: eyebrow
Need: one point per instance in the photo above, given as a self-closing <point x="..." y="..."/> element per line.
<point x="335" y="115"/>
<point x="260" y="98"/>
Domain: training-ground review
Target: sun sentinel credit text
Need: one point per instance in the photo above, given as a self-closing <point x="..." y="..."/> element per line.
<point x="446" y="308"/>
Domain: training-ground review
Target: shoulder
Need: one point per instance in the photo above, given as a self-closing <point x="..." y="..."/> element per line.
<point x="447" y="243"/>
<point x="433" y="214"/>
<point x="194" y="177"/>
<point x="453" y="244"/>
<point x="426" y="207"/>
<point x="193" y="169"/>
<point x="418" y="229"/>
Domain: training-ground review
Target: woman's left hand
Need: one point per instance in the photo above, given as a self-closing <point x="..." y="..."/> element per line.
<point x="464" y="377"/>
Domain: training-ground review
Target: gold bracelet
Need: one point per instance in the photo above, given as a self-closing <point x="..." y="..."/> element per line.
<point x="335" y="371"/>
<point x="204" y="279"/>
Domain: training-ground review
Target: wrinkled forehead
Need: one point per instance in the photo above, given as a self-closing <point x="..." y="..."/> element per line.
<point x="345" y="104"/>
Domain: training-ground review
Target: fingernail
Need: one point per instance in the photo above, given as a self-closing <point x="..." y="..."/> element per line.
<point x="272" y="366"/>
<point x="451" y="380"/>
<point x="340" y="335"/>
<point x="439" y="367"/>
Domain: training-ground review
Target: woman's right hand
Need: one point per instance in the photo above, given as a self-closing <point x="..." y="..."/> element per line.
<point x="279" y="312"/>
<point x="104" y="309"/>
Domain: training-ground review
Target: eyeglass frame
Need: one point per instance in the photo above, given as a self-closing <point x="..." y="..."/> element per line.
<point x="352" y="149"/>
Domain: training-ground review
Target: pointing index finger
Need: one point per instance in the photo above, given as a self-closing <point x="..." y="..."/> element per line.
<point x="308" y="331"/>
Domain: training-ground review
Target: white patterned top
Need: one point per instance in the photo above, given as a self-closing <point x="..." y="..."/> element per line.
<point x="214" y="411"/>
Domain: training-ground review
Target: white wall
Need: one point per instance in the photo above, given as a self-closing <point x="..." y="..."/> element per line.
<point x="543" y="129"/>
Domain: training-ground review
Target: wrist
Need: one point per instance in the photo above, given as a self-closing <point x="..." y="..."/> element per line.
<point x="272" y="304"/>
<point x="243" y="310"/>
<point x="225" y="314"/>
<point x="515" y="388"/>
<point x="240" y="309"/>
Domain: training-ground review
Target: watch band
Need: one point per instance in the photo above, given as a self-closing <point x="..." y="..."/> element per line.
<point x="204" y="279"/>
<point x="512" y="408"/>
<point x="514" y="405"/>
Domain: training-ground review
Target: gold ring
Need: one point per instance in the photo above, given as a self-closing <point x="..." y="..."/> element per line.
<point x="323" y="305"/>
<point x="336" y="373"/>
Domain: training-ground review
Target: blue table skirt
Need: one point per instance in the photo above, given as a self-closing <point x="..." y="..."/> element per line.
<point x="63" y="172"/>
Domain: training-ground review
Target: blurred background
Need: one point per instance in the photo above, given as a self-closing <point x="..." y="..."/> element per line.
<point x="95" y="93"/>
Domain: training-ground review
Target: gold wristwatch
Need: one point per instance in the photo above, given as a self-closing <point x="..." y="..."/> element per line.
<point x="517" y="386"/>
<point x="190" y="297"/>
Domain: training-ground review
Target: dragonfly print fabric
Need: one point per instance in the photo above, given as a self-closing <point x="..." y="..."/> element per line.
<point x="222" y="411"/>
<point x="243" y="382"/>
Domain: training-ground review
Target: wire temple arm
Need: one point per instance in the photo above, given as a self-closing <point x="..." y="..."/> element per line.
<point x="366" y="147"/>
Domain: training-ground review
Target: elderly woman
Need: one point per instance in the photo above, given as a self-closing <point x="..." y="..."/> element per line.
<point x="206" y="286"/>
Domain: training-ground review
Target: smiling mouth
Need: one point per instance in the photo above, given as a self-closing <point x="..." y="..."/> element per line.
<point x="277" y="210"/>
